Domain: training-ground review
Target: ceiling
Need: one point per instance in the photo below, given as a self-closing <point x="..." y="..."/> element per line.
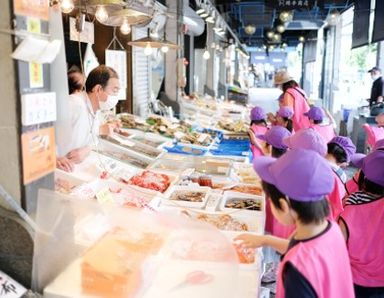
<point x="239" y="14"/>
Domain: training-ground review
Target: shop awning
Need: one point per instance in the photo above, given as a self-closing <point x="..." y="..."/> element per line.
<point x="378" y="25"/>
<point x="360" y="35"/>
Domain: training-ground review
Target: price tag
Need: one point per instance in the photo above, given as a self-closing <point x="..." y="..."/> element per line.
<point x="104" y="196"/>
<point x="10" y="288"/>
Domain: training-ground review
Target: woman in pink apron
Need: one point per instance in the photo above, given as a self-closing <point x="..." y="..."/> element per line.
<point x="293" y="97"/>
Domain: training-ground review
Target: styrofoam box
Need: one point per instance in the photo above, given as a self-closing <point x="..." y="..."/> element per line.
<point x="96" y="163"/>
<point x="107" y="145"/>
<point x="175" y="189"/>
<point x="70" y="181"/>
<point x="255" y="222"/>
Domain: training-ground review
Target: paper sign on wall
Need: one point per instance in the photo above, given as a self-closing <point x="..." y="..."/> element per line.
<point x="10" y="288"/>
<point x="38" y="108"/>
<point x="87" y="35"/>
<point x="32" y="8"/>
<point x="39" y="154"/>
<point x="118" y="61"/>
<point x="36" y="79"/>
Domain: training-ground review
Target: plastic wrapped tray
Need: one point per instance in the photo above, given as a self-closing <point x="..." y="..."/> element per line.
<point x="178" y="196"/>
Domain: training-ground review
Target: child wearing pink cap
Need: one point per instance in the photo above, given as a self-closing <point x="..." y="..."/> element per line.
<point x="340" y="150"/>
<point x="274" y="139"/>
<point x="282" y="118"/>
<point x="362" y="223"/>
<point x="315" y="261"/>
<point x="316" y="116"/>
<point x="258" y="126"/>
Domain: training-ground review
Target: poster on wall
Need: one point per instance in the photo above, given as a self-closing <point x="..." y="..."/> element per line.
<point x="36" y="79"/>
<point x="39" y="154"/>
<point x="118" y="61"/>
<point x="32" y="8"/>
<point x="38" y="108"/>
<point x="87" y="35"/>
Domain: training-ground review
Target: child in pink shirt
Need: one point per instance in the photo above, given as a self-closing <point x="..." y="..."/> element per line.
<point x="316" y="117"/>
<point x="362" y="223"/>
<point x="258" y="126"/>
<point x="340" y="150"/>
<point x="315" y="261"/>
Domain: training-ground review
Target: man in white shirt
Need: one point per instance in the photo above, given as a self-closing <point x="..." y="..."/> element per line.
<point x="102" y="87"/>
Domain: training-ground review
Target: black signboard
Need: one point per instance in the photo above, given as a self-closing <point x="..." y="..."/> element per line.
<point x="378" y="25"/>
<point x="294" y="4"/>
<point x="360" y="35"/>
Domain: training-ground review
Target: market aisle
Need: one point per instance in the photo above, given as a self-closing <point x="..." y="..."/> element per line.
<point x="265" y="98"/>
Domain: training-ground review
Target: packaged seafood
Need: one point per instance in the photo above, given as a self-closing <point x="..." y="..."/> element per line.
<point x="150" y="180"/>
<point x="221" y="221"/>
<point x="239" y="187"/>
<point x="193" y="197"/>
<point x="126" y="158"/>
<point x="135" y="146"/>
<point x="233" y="200"/>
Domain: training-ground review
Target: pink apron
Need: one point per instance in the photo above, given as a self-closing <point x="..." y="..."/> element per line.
<point x="324" y="262"/>
<point x="300" y="106"/>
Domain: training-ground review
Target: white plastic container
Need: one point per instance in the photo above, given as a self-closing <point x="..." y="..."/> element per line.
<point x="230" y="196"/>
<point x="173" y="191"/>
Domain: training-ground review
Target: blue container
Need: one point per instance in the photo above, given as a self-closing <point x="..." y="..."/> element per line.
<point x="346" y="113"/>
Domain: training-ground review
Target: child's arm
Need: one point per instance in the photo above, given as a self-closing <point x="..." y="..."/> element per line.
<point x="331" y="119"/>
<point x="253" y="241"/>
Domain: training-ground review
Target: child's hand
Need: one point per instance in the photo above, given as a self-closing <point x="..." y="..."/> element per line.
<point x="250" y="241"/>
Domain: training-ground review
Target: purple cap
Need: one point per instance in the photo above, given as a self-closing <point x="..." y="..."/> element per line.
<point x="308" y="139"/>
<point x="346" y="144"/>
<point x="257" y="114"/>
<point x="315" y="113"/>
<point x="285" y="112"/>
<point x="373" y="167"/>
<point x="379" y="144"/>
<point x="312" y="178"/>
<point x="275" y="136"/>
<point x="358" y="158"/>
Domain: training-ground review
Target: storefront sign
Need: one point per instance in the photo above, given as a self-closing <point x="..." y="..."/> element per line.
<point x="295" y="4"/>
<point x="118" y="61"/>
<point x="38" y="108"/>
<point x="32" y="8"/>
<point x="39" y="154"/>
<point x="87" y="35"/>
<point x="36" y="79"/>
<point x="10" y="288"/>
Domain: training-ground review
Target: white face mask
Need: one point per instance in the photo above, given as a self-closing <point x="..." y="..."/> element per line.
<point x="375" y="77"/>
<point x="109" y="104"/>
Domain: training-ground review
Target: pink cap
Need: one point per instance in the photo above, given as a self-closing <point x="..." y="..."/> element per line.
<point x="285" y="112"/>
<point x="315" y="113"/>
<point x="300" y="174"/>
<point x="309" y="139"/>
